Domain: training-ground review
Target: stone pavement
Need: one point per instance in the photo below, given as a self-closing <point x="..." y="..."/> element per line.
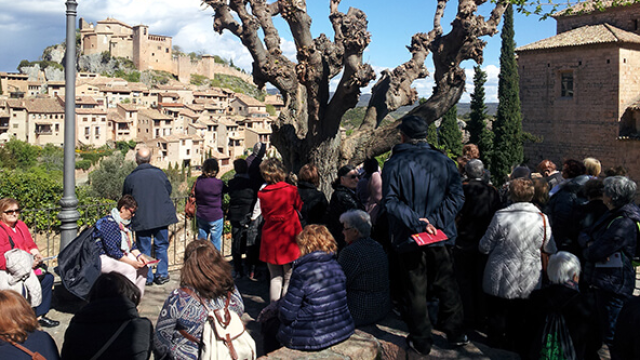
<point x="390" y="333"/>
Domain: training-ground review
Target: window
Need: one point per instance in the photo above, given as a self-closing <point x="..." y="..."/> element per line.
<point x="84" y="119"/>
<point x="87" y="131"/>
<point x="97" y="131"/>
<point x="566" y="84"/>
<point x="15" y="126"/>
<point x="188" y="151"/>
<point x="57" y="127"/>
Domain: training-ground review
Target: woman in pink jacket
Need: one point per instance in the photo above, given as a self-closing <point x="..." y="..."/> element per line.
<point x="280" y="204"/>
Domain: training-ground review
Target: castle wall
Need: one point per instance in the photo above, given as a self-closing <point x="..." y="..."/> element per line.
<point x="586" y="124"/>
<point x="183" y="67"/>
<point x="120" y="47"/>
<point x="623" y="17"/>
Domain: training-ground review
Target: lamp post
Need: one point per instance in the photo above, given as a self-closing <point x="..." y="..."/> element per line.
<point x="69" y="214"/>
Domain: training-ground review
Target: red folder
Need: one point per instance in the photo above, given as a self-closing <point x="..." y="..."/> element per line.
<point x="424" y="238"/>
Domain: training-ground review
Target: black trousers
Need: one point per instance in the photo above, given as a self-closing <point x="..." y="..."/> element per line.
<point x="432" y="268"/>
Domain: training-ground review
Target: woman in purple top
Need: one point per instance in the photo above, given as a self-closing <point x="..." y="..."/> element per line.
<point x="209" y="191"/>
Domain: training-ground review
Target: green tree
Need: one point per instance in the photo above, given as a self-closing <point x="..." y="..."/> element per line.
<point x="450" y="135"/>
<point x="19" y="154"/>
<point x="106" y="181"/>
<point x="432" y="135"/>
<point x="478" y="132"/>
<point x="507" y="128"/>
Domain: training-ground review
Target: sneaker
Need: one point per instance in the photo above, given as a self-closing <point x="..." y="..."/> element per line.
<point x="46" y="322"/>
<point x="159" y="280"/>
<point x="149" y="283"/>
<point x="460" y="340"/>
<point x="423" y="352"/>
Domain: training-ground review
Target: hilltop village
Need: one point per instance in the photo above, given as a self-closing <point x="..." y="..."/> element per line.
<point x="182" y="123"/>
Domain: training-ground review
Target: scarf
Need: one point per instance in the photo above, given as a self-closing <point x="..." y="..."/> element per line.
<point x="126" y="243"/>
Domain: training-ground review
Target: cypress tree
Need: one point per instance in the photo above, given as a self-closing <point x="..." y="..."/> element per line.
<point x="508" y="149"/>
<point x="432" y="135"/>
<point x="478" y="132"/>
<point x="450" y="135"/>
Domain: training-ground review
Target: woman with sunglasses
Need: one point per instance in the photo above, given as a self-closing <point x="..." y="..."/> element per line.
<point x="343" y="199"/>
<point x="114" y="242"/>
<point x="14" y="234"/>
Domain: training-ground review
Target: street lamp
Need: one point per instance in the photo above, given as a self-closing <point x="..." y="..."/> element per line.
<point x="69" y="214"/>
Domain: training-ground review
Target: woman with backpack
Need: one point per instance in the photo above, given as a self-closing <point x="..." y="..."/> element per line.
<point x="205" y="278"/>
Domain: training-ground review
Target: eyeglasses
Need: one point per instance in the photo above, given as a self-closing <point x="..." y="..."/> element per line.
<point x="133" y="211"/>
<point x="14" y="211"/>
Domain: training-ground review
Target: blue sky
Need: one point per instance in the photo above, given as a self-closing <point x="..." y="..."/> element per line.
<point x="28" y="26"/>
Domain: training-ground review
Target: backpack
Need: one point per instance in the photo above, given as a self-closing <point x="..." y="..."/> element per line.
<point x="79" y="264"/>
<point x="224" y="336"/>
<point x="556" y="343"/>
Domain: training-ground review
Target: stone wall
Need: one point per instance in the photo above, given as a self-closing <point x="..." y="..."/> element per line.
<point x="183" y="67"/>
<point x="586" y="124"/>
<point x="623" y="17"/>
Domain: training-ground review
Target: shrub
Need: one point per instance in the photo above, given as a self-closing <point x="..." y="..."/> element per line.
<point x="83" y="164"/>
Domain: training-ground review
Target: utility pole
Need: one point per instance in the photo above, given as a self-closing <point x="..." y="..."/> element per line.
<point x="69" y="214"/>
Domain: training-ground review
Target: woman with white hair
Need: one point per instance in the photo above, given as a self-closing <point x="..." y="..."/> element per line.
<point x="367" y="269"/>
<point x="610" y="245"/>
<point x="562" y="297"/>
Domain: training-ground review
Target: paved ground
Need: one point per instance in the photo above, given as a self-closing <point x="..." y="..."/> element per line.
<point x="255" y="295"/>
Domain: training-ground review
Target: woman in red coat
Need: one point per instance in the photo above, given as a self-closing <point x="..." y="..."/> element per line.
<point x="279" y="202"/>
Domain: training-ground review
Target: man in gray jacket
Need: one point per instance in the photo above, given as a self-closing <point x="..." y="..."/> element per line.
<point x="152" y="190"/>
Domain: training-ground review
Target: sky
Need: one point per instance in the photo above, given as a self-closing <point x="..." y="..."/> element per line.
<point x="27" y="27"/>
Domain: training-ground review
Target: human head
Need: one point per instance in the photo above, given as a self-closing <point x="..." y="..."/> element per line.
<point x="541" y="191"/>
<point x="546" y="167"/>
<point x="620" y="190"/>
<point x="143" y="156"/>
<point x="316" y="238"/>
<point x="594" y="189"/>
<point x="309" y="173"/>
<point x="520" y="172"/>
<point x="210" y="168"/>
<point x="17" y="318"/>
<point x="206" y="270"/>
<point x="356" y="220"/>
<point x="471" y="151"/>
<point x="114" y="285"/>
<point x="256" y="147"/>
<point x="413" y="127"/>
<point x="563" y="267"/>
<point x="127" y="207"/>
<point x="370" y="165"/>
<point x="240" y="166"/>
<point x="593" y="166"/>
<point x="521" y="190"/>
<point x="616" y="171"/>
<point x="272" y="171"/>
<point x="572" y="168"/>
<point x="347" y="176"/>
<point x="474" y="169"/>
<point x="8" y="204"/>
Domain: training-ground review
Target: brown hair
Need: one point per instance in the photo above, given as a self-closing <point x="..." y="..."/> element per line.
<point x="316" y="238"/>
<point x="309" y="173"/>
<point x="521" y="190"/>
<point x="210" y="168"/>
<point x="206" y="270"/>
<point x="6" y="202"/>
<point x="272" y="171"/>
<point x="470" y="151"/>
<point x="128" y="202"/>
<point x="541" y="192"/>
<point x="545" y="167"/>
<point x="17" y="318"/>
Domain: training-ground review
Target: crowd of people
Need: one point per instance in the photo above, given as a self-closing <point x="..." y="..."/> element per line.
<point x="550" y="254"/>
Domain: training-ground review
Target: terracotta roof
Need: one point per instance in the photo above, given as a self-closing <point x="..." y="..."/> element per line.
<point x="585" y="35"/>
<point x="114" y="88"/>
<point x="85" y="100"/>
<point x="128" y="107"/>
<point x="218" y="155"/>
<point x="16" y="103"/>
<point x="113" y="21"/>
<point x="209" y="93"/>
<point x="112" y="115"/>
<point x="248" y="100"/>
<point x="259" y="130"/>
<point x="189" y="113"/>
<point x="34" y="83"/>
<point x="153" y="114"/>
<point x="140" y="87"/>
<point x="208" y="122"/>
<point x="275" y="100"/>
<point x="43" y="106"/>
<point x="198" y="126"/>
<point x="585" y="7"/>
<point x="194" y="108"/>
<point x="55" y="83"/>
<point x="227" y="122"/>
<point x="90" y="111"/>
<point x="170" y="94"/>
<point x="172" y="105"/>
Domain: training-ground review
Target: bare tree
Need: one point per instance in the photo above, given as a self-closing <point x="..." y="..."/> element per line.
<point x="307" y="129"/>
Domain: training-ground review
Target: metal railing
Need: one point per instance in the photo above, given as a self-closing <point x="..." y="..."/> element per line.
<point x="45" y="230"/>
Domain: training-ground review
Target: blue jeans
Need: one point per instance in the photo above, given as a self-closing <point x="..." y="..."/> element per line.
<point x="609" y="305"/>
<point x="161" y="244"/>
<point x="213" y="228"/>
<point x="47" y="288"/>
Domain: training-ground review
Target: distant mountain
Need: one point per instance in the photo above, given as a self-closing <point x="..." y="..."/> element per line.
<point x="463" y="108"/>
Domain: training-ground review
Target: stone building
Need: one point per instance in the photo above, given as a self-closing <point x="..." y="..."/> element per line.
<point x="580" y="89"/>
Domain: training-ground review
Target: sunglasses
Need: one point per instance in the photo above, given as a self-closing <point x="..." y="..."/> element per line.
<point x="11" y="212"/>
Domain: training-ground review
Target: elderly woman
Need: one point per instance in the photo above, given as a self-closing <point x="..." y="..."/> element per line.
<point x="314" y="312"/>
<point x="205" y="278"/>
<point x="14" y="234"/>
<point x="209" y="191"/>
<point x="343" y="198"/>
<point x="563" y="297"/>
<point x="279" y="203"/>
<point x="366" y="267"/>
<point x="19" y="331"/>
<point x="114" y="242"/>
<point x="611" y="244"/>
<point x="514" y="241"/>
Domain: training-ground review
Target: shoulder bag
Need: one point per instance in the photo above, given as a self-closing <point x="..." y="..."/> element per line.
<point x="34" y="354"/>
<point x="190" y="206"/>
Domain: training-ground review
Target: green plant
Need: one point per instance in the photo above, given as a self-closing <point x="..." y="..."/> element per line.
<point x="106" y="181"/>
<point x="24" y="63"/>
<point x="83" y="165"/>
<point x="450" y="135"/>
<point x="198" y="79"/>
<point x="106" y="57"/>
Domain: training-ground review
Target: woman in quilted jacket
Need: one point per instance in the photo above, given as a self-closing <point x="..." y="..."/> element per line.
<point x="513" y="242"/>
<point x="314" y="312"/>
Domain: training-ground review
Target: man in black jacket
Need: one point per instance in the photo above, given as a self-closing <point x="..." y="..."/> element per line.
<point x="241" y="199"/>
<point x="152" y="190"/>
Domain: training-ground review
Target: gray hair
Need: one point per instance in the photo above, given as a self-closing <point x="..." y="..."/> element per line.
<point x="562" y="267"/>
<point x="474" y="169"/>
<point x="359" y="220"/>
<point x="620" y="189"/>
